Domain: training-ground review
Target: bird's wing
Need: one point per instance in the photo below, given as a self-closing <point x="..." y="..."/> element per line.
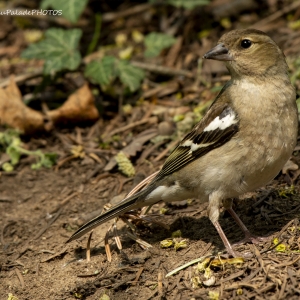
<point x="217" y="127"/>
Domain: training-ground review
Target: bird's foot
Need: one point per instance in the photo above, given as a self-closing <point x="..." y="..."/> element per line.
<point x="254" y="239"/>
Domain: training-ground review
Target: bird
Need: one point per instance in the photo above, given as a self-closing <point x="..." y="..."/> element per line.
<point x="242" y="142"/>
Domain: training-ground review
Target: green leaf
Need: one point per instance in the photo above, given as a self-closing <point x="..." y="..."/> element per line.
<point x="130" y="76"/>
<point x="36" y="166"/>
<point x="14" y="154"/>
<point x="155" y="42"/>
<point x="58" y="49"/>
<point x="49" y="160"/>
<point x="187" y="4"/>
<point x="71" y="9"/>
<point x="46" y="160"/>
<point x="7" y="167"/>
<point x="102" y="72"/>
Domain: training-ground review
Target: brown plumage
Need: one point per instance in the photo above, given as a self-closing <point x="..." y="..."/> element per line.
<point x="242" y="142"/>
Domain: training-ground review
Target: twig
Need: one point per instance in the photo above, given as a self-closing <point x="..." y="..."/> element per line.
<point x="164" y="153"/>
<point x="262" y="199"/>
<point x="192" y="262"/>
<point x="22" y="77"/>
<point x="88" y="275"/>
<point x="116" y="235"/>
<point x="64" y="202"/>
<point x="258" y="256"/>
<point x="271" y="248"/>
<point x="106" y="246"/>
<point x="58" y="212"/>
<point x="21" y="279"/>
<point x="88" y="248"/>
<point x="150" y="150"/>
<point x="144" y="244"/>
<point x="138" y="274"/>
<point x="283" y="286"/>
<point x="96" y="158"/>
<point x="122" y="184"/>
<point x="55" y="255"/>
<point x="232" y="276"/>
<point x="37" y="269"/>
<point x="162" y="69"/>
<point x="63" y="161"/>
<point x="2" y="231"/>
<point x="108" y="17"/>
<point x="160" y="284"/>
<point x="277" y="14"/>
<point x="129" y="126"/>
<point x="285" y="227"/>
<point x="78" y="138"/>
<point x="49" y="224"/>
<point x="288" y="264"/>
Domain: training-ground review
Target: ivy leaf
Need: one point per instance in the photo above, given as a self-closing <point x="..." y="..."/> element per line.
<point x="130" y="76"/>
<point x="71" y="9"/>
<point x="58" y="49"/>
<point x="155" y="42"/>
<point x="102" y="72"/>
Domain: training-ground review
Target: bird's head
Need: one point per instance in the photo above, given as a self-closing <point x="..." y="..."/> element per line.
<point x="249" y="52"/>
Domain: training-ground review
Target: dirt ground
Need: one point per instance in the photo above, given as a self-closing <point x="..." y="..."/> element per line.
<point x="40" y="210"/>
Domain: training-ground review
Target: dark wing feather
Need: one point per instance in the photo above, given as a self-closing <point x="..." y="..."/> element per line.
<point x="208" y="140"/>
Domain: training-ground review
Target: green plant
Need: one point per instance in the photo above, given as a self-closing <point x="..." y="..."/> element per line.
<point x="71" y="9"/>
<point x="11" y="144"/>
<point x="59" y="48"/>
<point x="155" y="42"/>
<point x="187" y="4"/>
<point x="105" y="71"/>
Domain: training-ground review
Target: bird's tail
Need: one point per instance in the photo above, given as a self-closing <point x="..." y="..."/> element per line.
<point x="124" y="206"/>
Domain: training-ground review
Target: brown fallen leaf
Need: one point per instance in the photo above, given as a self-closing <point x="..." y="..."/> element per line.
<point x="14" y="113"/>
<point x="289" y="166"/>
<point x="291" y="171"/>
<point x="79" y="107"/>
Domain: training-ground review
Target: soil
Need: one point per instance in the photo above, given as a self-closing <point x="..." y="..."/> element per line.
<point x="40" y="210"/>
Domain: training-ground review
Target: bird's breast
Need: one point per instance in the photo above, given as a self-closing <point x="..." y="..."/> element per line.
<point x="255" y="155"/>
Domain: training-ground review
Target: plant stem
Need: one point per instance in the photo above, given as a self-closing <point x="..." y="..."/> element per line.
<point x="96" y="36"/>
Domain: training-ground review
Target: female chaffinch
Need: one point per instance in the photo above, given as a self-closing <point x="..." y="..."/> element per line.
<point x="242" y="142"/>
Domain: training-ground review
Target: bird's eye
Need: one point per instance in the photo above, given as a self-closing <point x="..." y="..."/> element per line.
<point x="246" y="44"/>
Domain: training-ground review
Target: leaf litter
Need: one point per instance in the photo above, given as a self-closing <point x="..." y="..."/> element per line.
<point x="40" y="222"/>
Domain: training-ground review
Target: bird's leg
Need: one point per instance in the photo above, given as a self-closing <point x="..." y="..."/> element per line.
<point x="224" y="239"/>
<point x="213" y="214"/>
<point x="249" y="237"/>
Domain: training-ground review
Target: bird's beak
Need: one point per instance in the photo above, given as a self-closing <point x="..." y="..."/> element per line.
<point x="220" y="52"/>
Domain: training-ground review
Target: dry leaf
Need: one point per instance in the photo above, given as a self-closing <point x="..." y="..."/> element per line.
<point x="79" y="107"/>
<point x="289" y="166"/>
<point x="14" y="113"/>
